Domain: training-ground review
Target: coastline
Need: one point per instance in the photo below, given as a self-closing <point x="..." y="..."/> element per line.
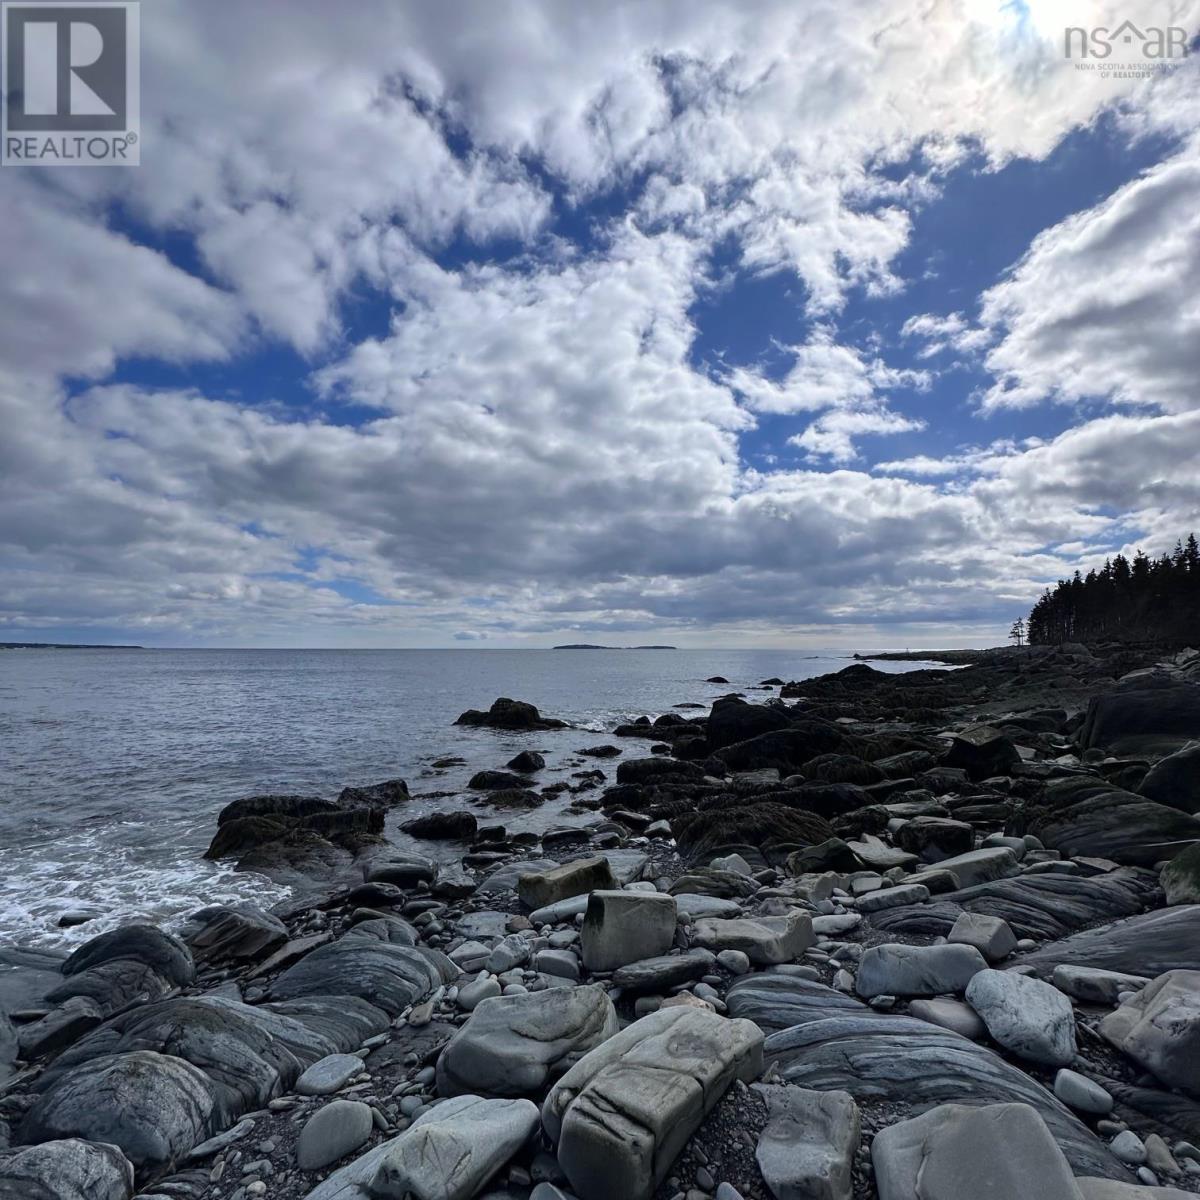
<point x="751" y="869"/>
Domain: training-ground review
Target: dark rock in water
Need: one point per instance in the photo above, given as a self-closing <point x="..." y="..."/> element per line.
<point x="391" y="977"/>
<point x="376" y="895"/>
<point x="1149" y="712"/>
<point x="646" y="770"/>
<point x="734" y="721"/>
<point x="1148" y="944"/>
<point x="154" y="1107"/>
<point x="914" y="1064"/>
<point x="788" y="749"/>
<point x="386" y="794"/>
<point x="288" y="808"/>
<point x="1037" y="906"/>
<point x="514" y="798"/>
<point x="841" y="768"/>
<point x="163" y="953"/>
<point x="510" y="714"/>
<point x="240" y="834"/>
<point x="830" y="855"/>
<point x="716" y="679"/>
<point x="443" y="826"/>
<point x="982" y="751"/>
<point x="486" y="781"/>
<point x="403" y="870"/>
<point x="526" y="761"/>
<point x="113" y="985"/>
<point x="761" y="825"/>
<point x="1175" y="781"/>
<point x="1082" y="815"/>
<point x="605" y="751"/>
<point x="239" y="932"/>
<point x="325" y="828"/>
<point x="70" y="1169"/>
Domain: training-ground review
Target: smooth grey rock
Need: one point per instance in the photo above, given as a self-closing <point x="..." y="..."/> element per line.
<point x="806" y="1150"/>
<point x="1081" y="1093"/>
<point x="980" y="866"/>
<point x="895" y="969"/>
<point x="561" y="963"/>
<point x="1129" y="1148"/>
<point x="1030" y="1018"/>
<point x="154" y="1107"/>
<point x="70" y="1169"/>
<point x="1094" y="986"/>
<point x="1159" y="1029"/>
<point x="537" y="889"/>
<point x="697" y="905"/>
<point x="448" y="1153"/>
<point x="952" y="1151"/>
<point x="516" y="1045"/>
<point x="1148" y="944"/>
<point x="165" y="954"/>
<point x="836" y="924"/>
<point x="662" y="973"/>
<point x="472" y="995"/>
<point x="735" y="961"/>
<point x="512" y="951"/>
<point x="764" y="940"/>
<point x="329" y="1074"/>
<point x="624" y="927"/>
<point x="893" y="897"/>
<point x="623" y="1113"/>
<point x="991" y="936"/>
<point x="950" y="1014"/>
<point x="332" y="1132"/>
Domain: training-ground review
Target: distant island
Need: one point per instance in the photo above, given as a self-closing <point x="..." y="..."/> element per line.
<point x="62" y="646"/>
<point x="590" y="646"/>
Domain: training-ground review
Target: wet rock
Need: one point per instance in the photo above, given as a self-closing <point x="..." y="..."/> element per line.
<point x="70" y="1169"/>
<point x="955" y="1150"/>
<point x="623" y="1113"/>
<point x="787" y="749"/>
<point x="764" y="940"/>
<point x="233" y="933"/>
<point x="540" y="889"/>
<point x="647" y="770"/>
<point x="833" y="854"/>
<point x="894" y="969"/>
<point x="1175" y="780"/>
<point x="59" y="1027"/>
<point x="154" y="1107"/>
<point x="733" y="720"/>
<point x="980" y="866"/>
<point x="509" y="714"/>
<point x="624" y="927"/>
<point x="516" y="1045"/>
<point x="806" y="1151"/>
<point x="1159" y="1028"/>
<point x="893" y="897"/>
<point x="443" y="826"/>
<point x="765" y="825"/>
<point x="982" y="751"/>
<point x="163" y="953"/>
<point x="385" y="794"/>
<point x="332" y="1132"/>
<point x="526" y="762"/>
<point x="1030" y="1018"/>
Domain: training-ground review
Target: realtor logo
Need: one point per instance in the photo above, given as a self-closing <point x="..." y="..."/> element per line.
<point x="71" y="84"/>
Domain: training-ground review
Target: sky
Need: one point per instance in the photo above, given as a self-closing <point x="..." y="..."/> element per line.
<point x="496" y="325"/>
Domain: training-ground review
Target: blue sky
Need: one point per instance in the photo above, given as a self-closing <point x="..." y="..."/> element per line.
<point x="662" y="328"/>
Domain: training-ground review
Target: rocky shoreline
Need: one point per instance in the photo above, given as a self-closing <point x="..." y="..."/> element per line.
<point x="921" y="936"/>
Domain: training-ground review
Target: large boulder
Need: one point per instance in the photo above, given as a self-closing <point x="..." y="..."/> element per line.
<point x="933" y="839"/>
<point x="806" y="1150"/>
<point x="154" y="1107"/>
<point x="1083" y="816"/>
<point x="70" y="1169"/>
<point x="516" y="1045"/>
<point x="537" y="889"/>
<point x="787" y="749"/>
<point x="625" y="927"/>
<point x="733" y="720"/>
<point x="1030" y="1018"/>
<point x="163" y="953"/>
<point x="764" y="940"/>
<point x="236" y="933"/>
<point x="387" y="793"/>
<point x="982" y="751"/>
<point x="1175" y="780"/>
<point x="1147" y="714"/>
<point x="623" y="1113"/>
<point x="448" y="1153"/>
<point x="510" y="714"/>
<point x="650" y="770"/>
<point x="895" y="969"/>
<point x="1001" y="1151"/>
<point x="1159" y="1028"/>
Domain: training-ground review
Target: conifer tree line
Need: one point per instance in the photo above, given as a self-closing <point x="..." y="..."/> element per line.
<point x="1144" y="600"/>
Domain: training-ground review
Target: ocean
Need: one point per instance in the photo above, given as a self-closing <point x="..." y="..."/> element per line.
<point x="114" y="763"/>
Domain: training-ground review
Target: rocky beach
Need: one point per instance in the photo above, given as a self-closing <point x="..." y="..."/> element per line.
<point x="921" y="936"/>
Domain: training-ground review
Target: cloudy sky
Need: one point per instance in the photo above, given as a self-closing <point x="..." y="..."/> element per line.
<point x="747" y="323"/>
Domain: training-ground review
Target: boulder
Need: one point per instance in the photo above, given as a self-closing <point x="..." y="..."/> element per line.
<point x="163" y="953"/>
<point x="625" y="927"/>
<point x="285" y="808"/>
<point x="623" y="1113"/>
<point x="1093" y="986"/>
<point x="980" y="866"/>
<point x="764" y="940"/>
<point x="539" y="889"/>
<point x="509" y="714"/>
<point x="775" y="1001"/>
<point x="733" y="720"/>
<point x="59" y="1027"/>
<point x="806" y="1150"/>
<point x="833" y="854"/>
<point x="893" y="897"/>
<point x="982" y="751"/>
<point x="787" y="749"/>
<point x="991" y="936"/>
<point x="385" y="794"/>
<point x="332" y="1132"/>
<point x="448" y="1153"/>
<point x="1159" y="1029"/>
<point x="233" y="933"/>
<point x="329" y="1074"/>
<point x="154" y="1107"/>
<point x="1175" y="780"/>
<point x="1030" y="1018"/>
<point x="1001" y="1151"/>
<point x="526" y="762"/>
<point x="763" y="825"/>
<point x="662" y="973"/>
<point x="492" y="781"/>
<point x="516" y="1045"/>
<point x="895" y="969"/>
<point x="1149" y="714"/>
<point x="443" y="826"/>
<point x="1180" y="878"/>
<point x="933" y="839"/>
<point x="70" y="1169"/>
<point x="649" y="770"/>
